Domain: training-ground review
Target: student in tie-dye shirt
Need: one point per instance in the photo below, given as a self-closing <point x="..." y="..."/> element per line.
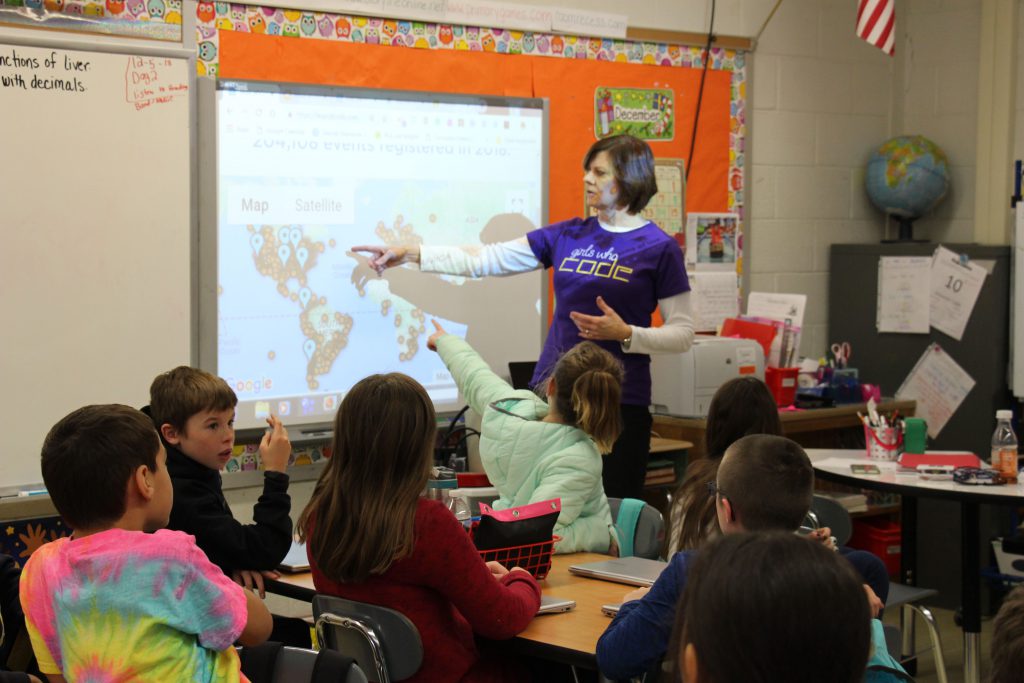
<point x="113" y="603"/>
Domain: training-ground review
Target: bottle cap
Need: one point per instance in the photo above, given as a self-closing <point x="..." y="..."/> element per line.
<point x="1004" y="414"/>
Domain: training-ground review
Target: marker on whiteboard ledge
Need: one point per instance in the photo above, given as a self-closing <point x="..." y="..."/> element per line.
<point x="31" y="492"/>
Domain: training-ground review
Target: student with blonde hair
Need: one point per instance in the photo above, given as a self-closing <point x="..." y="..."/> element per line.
<point x="534" y="450"/>
<point x="371" y="537"/>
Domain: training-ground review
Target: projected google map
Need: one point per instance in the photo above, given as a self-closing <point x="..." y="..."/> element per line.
<point x="302" y="179"/>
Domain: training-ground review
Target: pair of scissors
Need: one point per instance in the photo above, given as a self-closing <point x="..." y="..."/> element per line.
<point x="841" y="353"/>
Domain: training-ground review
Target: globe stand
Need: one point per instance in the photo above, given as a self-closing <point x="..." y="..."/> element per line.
<point x="906" y="233"/>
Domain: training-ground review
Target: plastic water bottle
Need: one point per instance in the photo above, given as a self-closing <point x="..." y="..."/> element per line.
<point x="1004" y="446"/>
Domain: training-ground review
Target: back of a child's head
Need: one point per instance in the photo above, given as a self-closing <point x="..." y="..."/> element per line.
<point x="178" y="394"/>
<point x="741" y="406"/>
<point x="88" y="458"/>
<point x="364" y="504"/>
<point x="763" y="608"/>
<point x="769" y="481"/>
<point x="1008" y="639"/>
<point x="588" y="380"/>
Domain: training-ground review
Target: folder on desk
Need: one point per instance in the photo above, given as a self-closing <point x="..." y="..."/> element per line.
<point x="910" y="461"/>
<point x="747" y="329"/>
<point x="634" y="571"/>
<point x="295" y="561"/>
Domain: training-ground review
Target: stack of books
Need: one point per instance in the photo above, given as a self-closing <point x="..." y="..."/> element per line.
<point x="660" y="472"/>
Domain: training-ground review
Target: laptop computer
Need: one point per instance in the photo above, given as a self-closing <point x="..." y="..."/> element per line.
<point x="295" y="561"/>
<point x="521" y="372"/>
<point x="634" y="571"/>
<point x="549" y="604"/>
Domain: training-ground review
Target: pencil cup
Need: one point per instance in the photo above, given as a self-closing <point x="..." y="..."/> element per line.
<point x="884" y="443"/>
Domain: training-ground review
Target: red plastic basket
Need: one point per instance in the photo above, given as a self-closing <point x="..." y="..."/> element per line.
<point x="534" y="558"/>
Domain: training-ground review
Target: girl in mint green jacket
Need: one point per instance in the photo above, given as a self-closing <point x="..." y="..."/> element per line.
<point x="534" y="451"/>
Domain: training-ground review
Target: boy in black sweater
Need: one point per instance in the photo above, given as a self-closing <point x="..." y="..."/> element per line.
<point x="194" y="412"/>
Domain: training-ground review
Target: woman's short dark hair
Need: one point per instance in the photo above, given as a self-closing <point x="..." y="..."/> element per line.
<point x="633" y="165"/>
<point x="88" y="458"/>
<point x="767" y="607"/>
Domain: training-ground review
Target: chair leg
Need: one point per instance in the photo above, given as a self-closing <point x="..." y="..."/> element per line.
<point x="908" y="632"/>
<point x="933" y="635"/>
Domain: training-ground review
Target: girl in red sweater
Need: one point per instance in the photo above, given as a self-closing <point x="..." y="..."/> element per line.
<point x="371" y="537"/>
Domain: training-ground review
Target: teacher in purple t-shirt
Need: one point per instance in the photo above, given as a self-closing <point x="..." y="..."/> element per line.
<point x="611" y="272"/>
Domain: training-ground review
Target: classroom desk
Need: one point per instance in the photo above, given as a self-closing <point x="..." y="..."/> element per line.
<point x="569" y="637"/>
<point x="834" y="465"/>
<point x="815" y="428"/>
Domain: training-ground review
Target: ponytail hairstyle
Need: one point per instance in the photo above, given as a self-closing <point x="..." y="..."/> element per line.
<point x="360" y="518"/>
<point x="588" y="386"/>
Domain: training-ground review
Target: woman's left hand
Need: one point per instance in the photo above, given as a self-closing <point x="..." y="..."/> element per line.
<point x="608" y="326"/>
<point x="439" y="332"/>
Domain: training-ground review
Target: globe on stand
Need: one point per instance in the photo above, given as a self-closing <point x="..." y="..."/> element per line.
<point x="906" y="178"/>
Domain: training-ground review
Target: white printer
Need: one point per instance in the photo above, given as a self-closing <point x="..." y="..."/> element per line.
<point x="683" y="383"/>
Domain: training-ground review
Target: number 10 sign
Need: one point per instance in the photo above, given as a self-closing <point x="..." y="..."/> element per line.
<point x="956" y="284"/>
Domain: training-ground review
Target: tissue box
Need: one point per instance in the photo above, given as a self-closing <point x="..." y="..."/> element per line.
<point x="1006" y="561"/>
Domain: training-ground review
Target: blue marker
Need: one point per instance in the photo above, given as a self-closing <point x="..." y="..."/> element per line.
<point x="32" y="492"/>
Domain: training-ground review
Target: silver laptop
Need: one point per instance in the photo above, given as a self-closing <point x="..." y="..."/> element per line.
<point x="635" y="571"/>
<point x="549" y="604"/>
<point x="295" y="561"/>
<point x="611" y="609"/>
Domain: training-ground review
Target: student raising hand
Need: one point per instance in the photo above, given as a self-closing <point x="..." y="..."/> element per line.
<point x="438" y="333"/>
<point x="275" y="448"/>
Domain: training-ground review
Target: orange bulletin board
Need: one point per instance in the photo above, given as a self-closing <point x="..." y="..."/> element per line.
<point x="568" y="84"/>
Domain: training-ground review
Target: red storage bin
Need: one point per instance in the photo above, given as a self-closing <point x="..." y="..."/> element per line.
<point x="782" y="383"/>
<point x="881" y="538"/>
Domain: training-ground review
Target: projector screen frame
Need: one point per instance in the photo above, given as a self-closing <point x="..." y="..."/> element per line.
<point x="206" y="253"/>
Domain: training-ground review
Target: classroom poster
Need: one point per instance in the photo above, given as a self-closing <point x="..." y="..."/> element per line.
<point x="713" y="240"/>
<point x="939" y="385"/>
<point x="648" y="114"/>
<point x="955" y="285"/>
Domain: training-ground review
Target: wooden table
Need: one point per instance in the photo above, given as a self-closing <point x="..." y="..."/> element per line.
<point x="815" y="428"/>
<point x="662" y="445"/>
<point x="569" y="637"/>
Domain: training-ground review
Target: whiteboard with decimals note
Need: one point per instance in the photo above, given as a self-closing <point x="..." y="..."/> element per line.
<point x="96" y="173"/>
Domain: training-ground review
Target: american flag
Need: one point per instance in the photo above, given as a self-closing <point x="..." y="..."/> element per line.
<point x="876" y="23"/>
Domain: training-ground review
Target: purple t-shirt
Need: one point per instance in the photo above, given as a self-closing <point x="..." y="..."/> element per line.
<point x="631" y="270"/>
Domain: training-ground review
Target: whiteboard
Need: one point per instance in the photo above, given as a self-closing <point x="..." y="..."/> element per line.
<point x="96" y="163"/>
<point x="293" y="175"/>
